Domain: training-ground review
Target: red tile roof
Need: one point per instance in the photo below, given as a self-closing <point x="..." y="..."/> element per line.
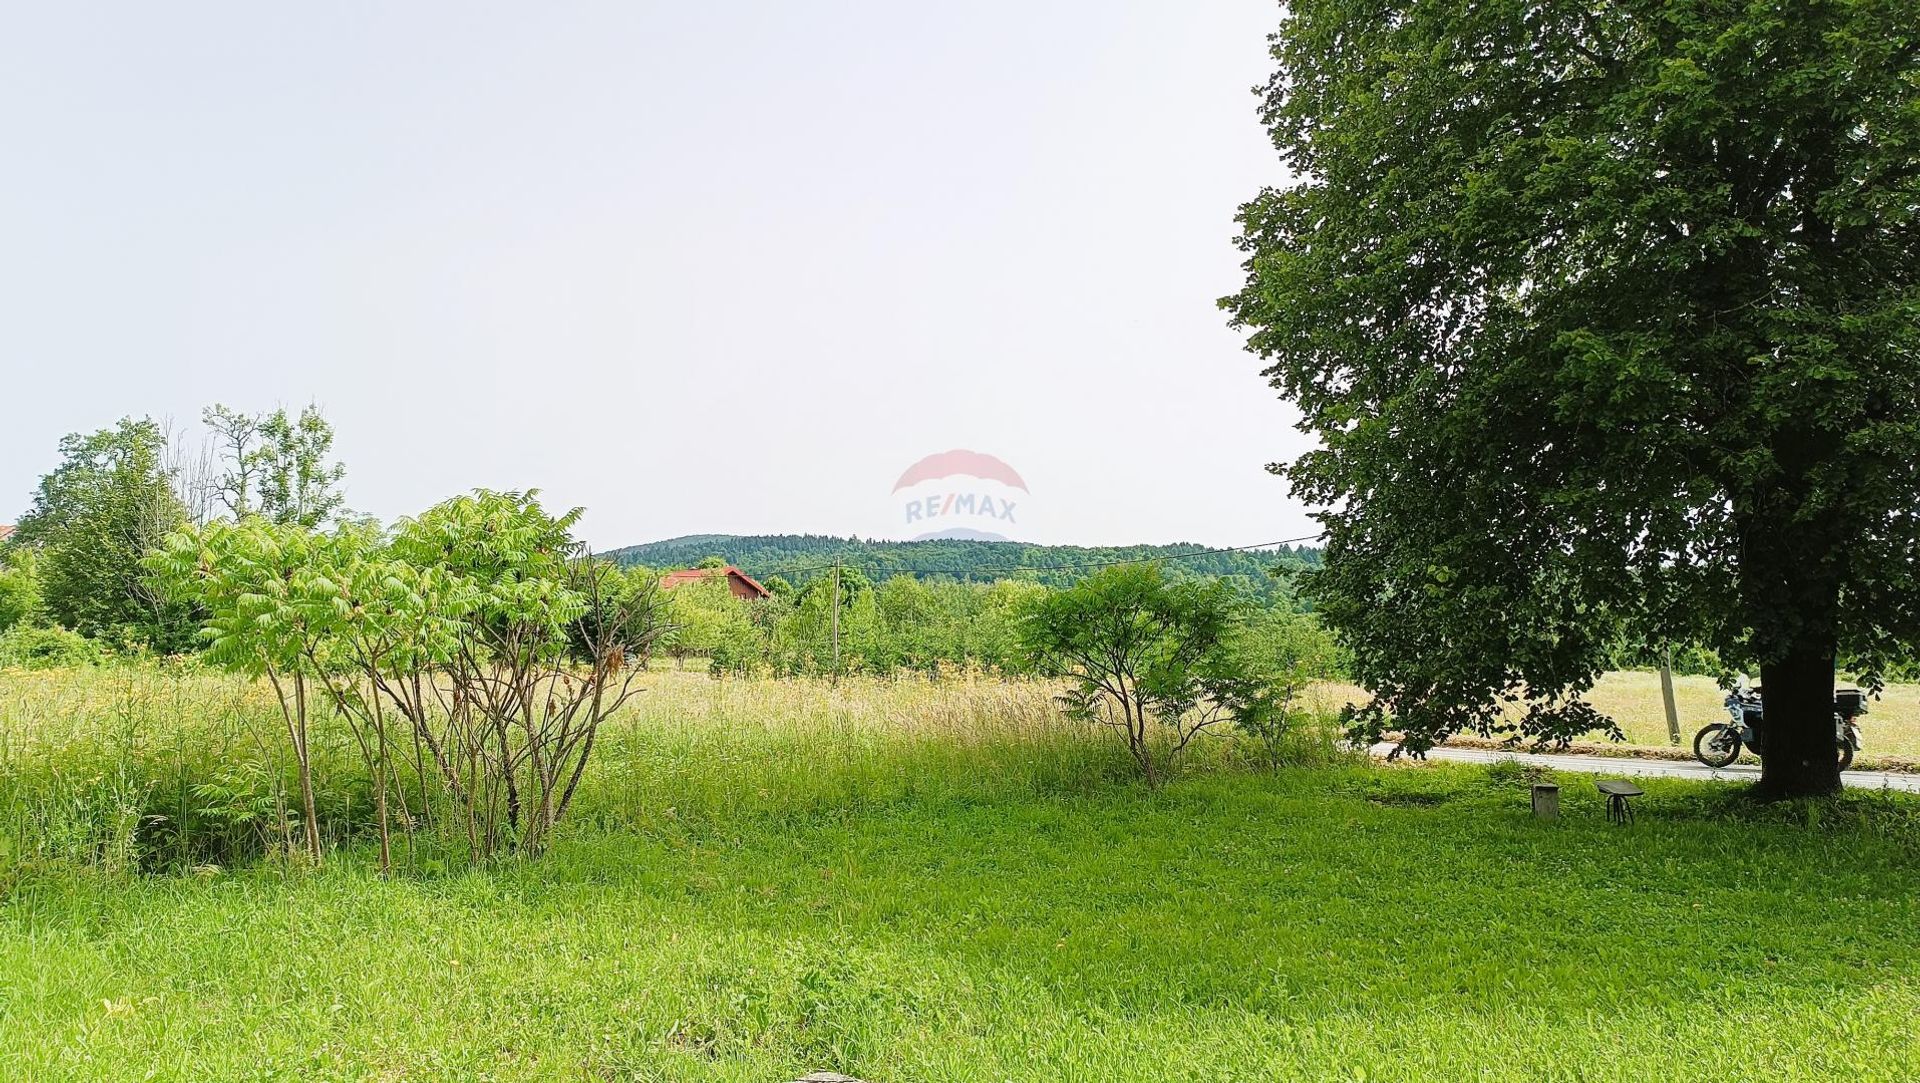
<point x="694" y="575"/>
<point x="6" y="531"/>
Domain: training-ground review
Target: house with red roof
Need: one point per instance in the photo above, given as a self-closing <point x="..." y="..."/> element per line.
<point x="6" y="531"/>
<point x="740" y="583"/>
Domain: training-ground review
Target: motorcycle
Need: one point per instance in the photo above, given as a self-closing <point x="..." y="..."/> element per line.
<point x="1719" y="744"/>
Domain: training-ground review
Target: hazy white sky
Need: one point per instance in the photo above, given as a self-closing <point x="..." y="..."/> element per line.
<point x="700" y="267"/>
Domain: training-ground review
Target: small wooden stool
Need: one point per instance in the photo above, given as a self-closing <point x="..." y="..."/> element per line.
<point x="1617" y="791"/>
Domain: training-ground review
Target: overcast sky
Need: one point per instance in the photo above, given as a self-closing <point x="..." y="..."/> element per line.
<point x="700" y="267"/>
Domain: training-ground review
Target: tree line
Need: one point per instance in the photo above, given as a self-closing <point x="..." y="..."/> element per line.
<point x="474" y="651"/>
<point x="73" y="590"/>
<point x="903" y="623"/>
<point x="71" y="581"/>
<point x="1268" y="574"/>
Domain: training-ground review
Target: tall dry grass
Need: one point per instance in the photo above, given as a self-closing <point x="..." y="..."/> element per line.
<point x="1632" y="698"/>
<point x="147" y="767"/>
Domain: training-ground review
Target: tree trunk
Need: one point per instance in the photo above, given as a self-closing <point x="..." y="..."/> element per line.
<point x="379" y="765"/>
<point x="1802" y="758"/>
<point x="1792" y="584"/>
<point x="1793" y="558"/>
<point x="304" y="761"/>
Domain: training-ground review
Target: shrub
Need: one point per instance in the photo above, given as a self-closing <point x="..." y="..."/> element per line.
<point x="1273" y="656"/>
<point x="1157" y="661"/>
<point x="20" y="601"/>
<point x="26" y="646"/>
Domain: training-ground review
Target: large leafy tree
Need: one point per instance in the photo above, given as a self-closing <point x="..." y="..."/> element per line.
<point x="109" y="501"/>
<point x="1606" y="316"/>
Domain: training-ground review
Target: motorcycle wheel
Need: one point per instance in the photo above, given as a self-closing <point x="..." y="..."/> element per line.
<point x="1716" y="745"/>
<point x="1846" y="756"/>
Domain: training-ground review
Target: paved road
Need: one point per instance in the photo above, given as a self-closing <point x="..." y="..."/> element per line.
<point x="1621" y="765"/>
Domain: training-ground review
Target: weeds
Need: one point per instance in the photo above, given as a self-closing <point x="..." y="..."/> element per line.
<point x="1390" y="924"/>
<point x="150" y="768"/>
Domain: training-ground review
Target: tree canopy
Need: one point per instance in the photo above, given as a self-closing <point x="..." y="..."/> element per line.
<point x="1605" y="317"/>
<point x="108" y="502"/>
<point x="274" y="464"/>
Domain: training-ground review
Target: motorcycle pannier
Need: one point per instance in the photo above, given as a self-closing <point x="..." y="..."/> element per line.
<point x="1848" y="702"/>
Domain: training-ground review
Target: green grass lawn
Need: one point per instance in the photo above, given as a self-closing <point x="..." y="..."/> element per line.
<point x="1338" y="924"/>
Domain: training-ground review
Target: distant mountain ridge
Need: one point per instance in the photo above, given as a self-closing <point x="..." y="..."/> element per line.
<point x="799" y="557"/>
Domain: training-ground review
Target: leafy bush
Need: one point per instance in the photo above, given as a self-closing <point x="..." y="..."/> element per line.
<point x="478" y="632"/>
<point x="1157" y="661"/>
<point x="26" y="646"/>
<point x="20" y="599"/>
<point x="1275" y="655"/>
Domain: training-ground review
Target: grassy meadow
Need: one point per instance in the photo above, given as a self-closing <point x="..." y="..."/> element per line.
<point x="1891" y="728"/>
<point x="928" y="881"/>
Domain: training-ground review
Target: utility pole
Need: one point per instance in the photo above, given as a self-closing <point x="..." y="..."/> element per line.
<point x="1666" y="693"/>
<point x="836" y="621"/>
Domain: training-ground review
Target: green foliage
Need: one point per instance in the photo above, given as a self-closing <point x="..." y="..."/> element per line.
<point x="480" y="640"/>
<point x="29" y="646"/>
<point x="93" y="518"/>
<point x="904" y="624"/>
<point x="1271" y="658"/>
<point x="298" y="483"/>
<point x="20" y="595"/>
<point x="1604" y="320"/>
<point x="1154" y="660"/>
<point x="801" y="640"/>
<point x="275" y="465"/>
<point x="510" y="564"/>
<point x="272" y="603"/>
<point x="706" y="619"/>
<point x="261" y="587"/>
<point x="237" y="808"/>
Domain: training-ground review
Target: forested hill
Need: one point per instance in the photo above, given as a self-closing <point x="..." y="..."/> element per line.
<point x="799" y="557"/>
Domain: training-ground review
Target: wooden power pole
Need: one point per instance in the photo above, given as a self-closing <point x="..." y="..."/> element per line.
<point x="836" y="620"/>
<point x="1666" y="693"/>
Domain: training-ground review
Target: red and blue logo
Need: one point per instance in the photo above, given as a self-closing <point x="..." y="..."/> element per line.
<point x="960" y="494"/>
